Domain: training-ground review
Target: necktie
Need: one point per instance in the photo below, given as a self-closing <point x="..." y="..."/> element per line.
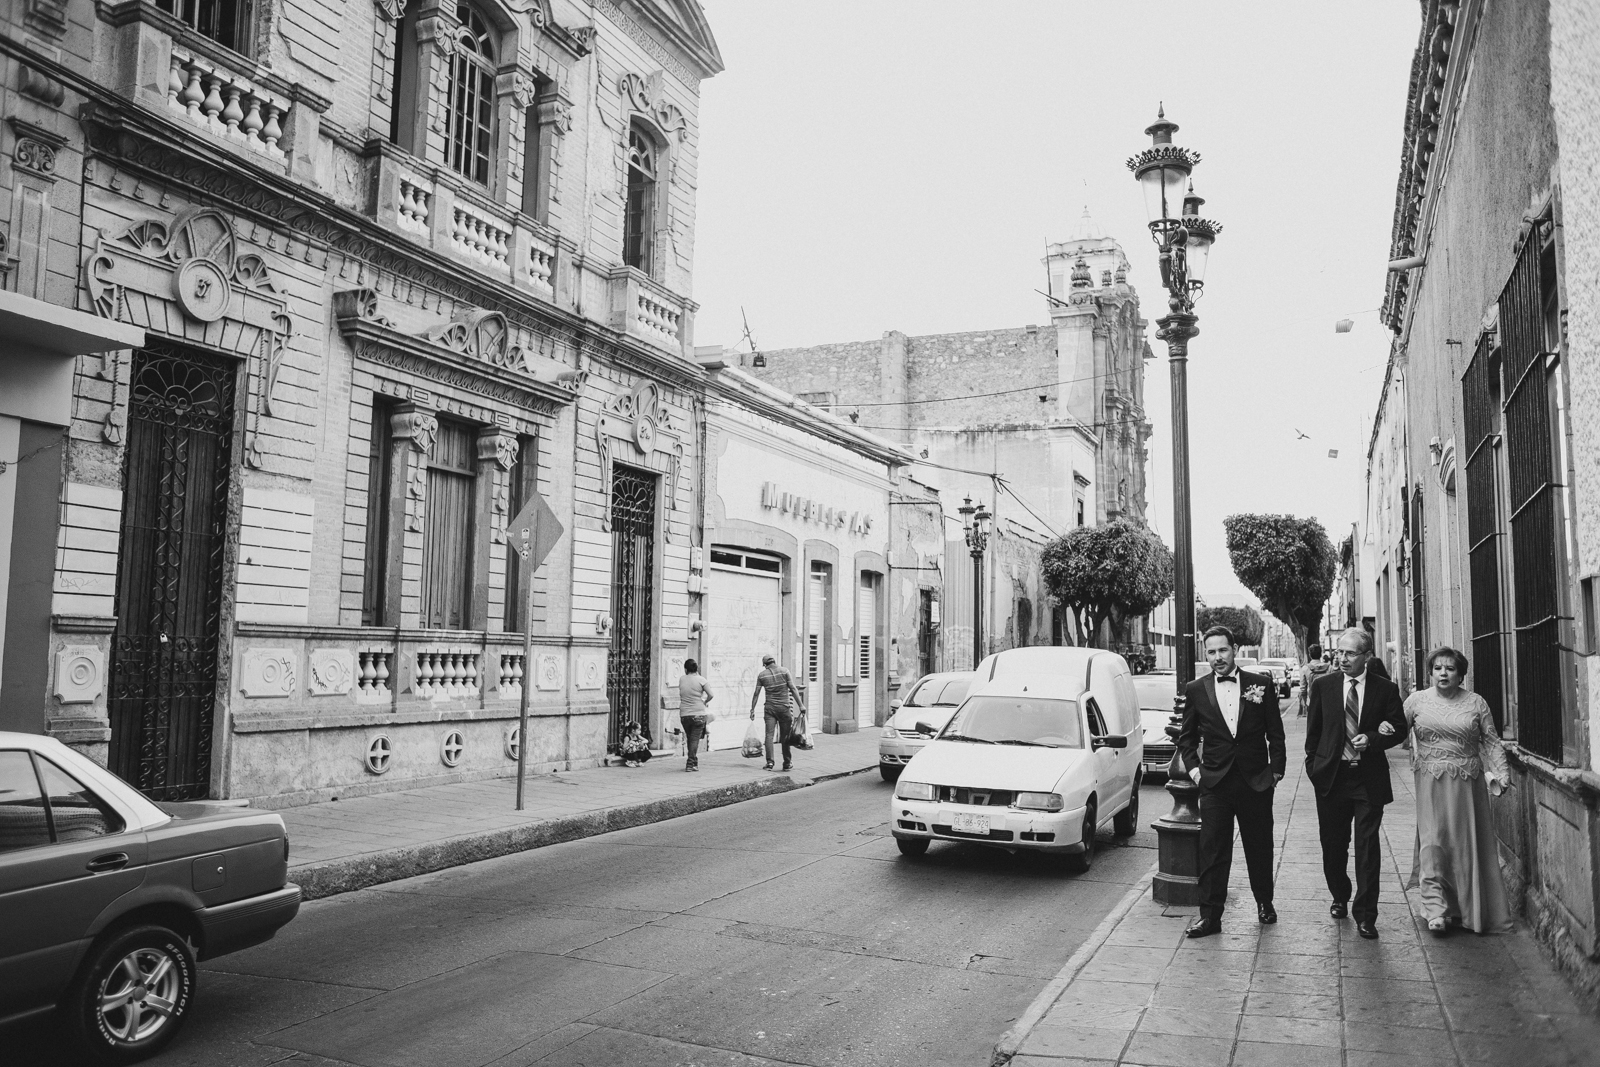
<point x="1352" y="720"/>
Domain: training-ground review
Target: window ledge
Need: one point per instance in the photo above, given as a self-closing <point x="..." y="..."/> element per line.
<point x="1575" y="779"/>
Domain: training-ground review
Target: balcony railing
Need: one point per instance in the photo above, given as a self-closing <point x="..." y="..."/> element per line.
<point x="644" y="308"/>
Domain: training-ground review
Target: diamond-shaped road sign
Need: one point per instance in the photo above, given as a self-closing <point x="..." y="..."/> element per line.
<point x="535" y="531"/>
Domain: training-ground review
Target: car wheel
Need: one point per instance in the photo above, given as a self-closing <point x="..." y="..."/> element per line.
<point x="912" y="846"/>
<point x="1126" y="822"/>
<point x="1080" y="862"/>
<point x="890" y="771"/>
<point x="132" y="994"/>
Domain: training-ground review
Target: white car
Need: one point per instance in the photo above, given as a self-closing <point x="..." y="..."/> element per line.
<point x="1045" y="750"/>
<point x="1157" y="692"/>
<point x="931" y="701"/>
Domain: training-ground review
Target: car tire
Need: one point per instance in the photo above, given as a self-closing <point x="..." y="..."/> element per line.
<point x="132" y="994"/>
<point x="914" y="847"/>
<point x="890" y="771"/>
<point x="1080" y="862"/>
<point x="1125" y="823"/>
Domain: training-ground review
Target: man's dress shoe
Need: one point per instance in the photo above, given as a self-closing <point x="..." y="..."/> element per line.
<point x="1367" y="929"/>
<point x="1202" y="927"/>
<point x="1339" y="909"/>
<point x="1267" y="913"/>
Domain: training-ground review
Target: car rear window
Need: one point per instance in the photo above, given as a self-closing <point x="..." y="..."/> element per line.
<point x="1004" y="719"/>
<point x="939" y="693"/>
<point x="74" y="809"/>
<point x="23" y="822"/>
<point x="954" y="692"/>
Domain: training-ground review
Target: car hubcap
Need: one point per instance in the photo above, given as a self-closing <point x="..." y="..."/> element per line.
<point x="140" y="994"/>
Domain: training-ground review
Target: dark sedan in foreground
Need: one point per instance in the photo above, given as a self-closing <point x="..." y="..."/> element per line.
<point x="108" y="899"/>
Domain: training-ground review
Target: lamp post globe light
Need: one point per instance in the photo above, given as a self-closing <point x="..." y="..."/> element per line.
<point x="975" y="523"/>
<point x="1183" y="240"/>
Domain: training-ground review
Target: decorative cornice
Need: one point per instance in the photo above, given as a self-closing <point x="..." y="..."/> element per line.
<point x="648" y="97"/>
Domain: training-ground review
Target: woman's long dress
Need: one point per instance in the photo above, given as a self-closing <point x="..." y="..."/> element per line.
<point x="1456" y="863"/>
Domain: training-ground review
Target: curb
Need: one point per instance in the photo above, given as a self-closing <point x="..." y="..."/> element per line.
<point x="1012" y="1039"/>
<point x="318" y="880"/>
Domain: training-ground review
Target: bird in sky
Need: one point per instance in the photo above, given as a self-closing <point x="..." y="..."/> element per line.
<point x="1303" y="436"/>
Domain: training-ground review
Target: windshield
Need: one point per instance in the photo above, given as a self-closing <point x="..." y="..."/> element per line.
<point x="1022" y="720"/>
<point x="936" y="693"/>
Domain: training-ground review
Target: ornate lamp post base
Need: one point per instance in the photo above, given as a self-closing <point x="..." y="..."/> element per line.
<point x="1177" y="881"/>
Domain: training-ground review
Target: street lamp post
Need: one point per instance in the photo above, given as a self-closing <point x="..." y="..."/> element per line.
<point x="975" y="521"/>
<point x="1184" y="242"/>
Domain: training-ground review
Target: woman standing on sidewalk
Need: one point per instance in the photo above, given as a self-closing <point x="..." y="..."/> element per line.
<point x="693" y="696"/>
<point x="1457" y="759"/>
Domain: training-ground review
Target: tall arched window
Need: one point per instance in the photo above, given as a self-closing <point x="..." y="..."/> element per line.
<point x="639" y="222"/>
<point x="469" y="121"/>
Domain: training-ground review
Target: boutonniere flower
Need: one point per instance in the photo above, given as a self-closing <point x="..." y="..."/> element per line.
<point x="1254" y="693"/>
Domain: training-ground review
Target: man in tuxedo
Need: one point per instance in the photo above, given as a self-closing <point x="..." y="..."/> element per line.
<point x="1231" y="745"/>
<point x="1353" y="715"/>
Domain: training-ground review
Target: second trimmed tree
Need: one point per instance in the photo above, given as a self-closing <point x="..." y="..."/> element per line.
<point x="1108" y="574"/>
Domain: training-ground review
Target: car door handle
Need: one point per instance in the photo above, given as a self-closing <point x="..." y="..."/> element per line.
<point x="111" y="861"/>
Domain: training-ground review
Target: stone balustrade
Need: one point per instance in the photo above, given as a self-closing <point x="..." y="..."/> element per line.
<point x="478" y="235"/>
<point x="657" y="317"/>
<point x="511" y="673"/>
<point x="414" y="201"/>
<point x="541" y="264"/>
<point x="372" y="674"/>
<point x="446" y="674"/>
<point x="226" y="104"/>
<point x="642" y="307"/>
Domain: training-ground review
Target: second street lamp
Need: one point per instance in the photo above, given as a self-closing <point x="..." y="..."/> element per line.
<point x="975" y="522"/>
<point x="1184" y="241"/>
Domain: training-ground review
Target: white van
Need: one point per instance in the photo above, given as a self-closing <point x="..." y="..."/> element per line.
<point x="1044" y="751"/>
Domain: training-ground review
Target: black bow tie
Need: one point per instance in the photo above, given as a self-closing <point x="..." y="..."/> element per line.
<point x="1227" y="677"/>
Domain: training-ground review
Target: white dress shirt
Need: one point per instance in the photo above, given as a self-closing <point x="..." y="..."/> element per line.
<point x="1228" y="700"/>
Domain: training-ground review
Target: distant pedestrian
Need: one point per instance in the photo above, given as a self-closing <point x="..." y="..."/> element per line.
<point x="1457" y="759"/>
<point x="1315" y="668"/>
<point x="1232" y="747"/>
<point x="635" y="746"/>
<point x="1346" y="764"/>
<point x="693" y="696"/>
<point x="779" y="711"/>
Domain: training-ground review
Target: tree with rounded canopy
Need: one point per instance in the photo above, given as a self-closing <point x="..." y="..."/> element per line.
<point x="1244" y="623"/>
<point x="1108" y="574"/>
<point x="1288" y="563"/>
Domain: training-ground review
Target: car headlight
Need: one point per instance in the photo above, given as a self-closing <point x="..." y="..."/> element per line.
<point x="914" y="791"/>
<point x="890" y="733"/>
<point x="1039" y="801"/>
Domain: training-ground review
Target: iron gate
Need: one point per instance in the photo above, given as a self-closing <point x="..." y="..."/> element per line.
<point x="169" y="571"/>
<point x="633" y="555"/>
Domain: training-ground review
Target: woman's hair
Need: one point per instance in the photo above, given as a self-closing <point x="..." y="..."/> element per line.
<point x="691" y="667"/>
<point x="1457" y="655"/>
<point x="630" y="726"/>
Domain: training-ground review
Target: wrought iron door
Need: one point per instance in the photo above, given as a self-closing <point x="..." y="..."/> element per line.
<point x="169" y="571"/>
<point x="633" y="555"/>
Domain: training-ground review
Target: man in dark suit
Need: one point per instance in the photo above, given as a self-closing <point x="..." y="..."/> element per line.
<point x="1353" y="715"/>
<point x="1231" y="745"/>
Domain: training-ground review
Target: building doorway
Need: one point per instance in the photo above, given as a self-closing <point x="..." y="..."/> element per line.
<point x="633" y="573"/>
<point x="744" y="621"/>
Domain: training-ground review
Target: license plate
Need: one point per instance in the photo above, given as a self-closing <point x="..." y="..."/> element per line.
<point x="965" y="822"/>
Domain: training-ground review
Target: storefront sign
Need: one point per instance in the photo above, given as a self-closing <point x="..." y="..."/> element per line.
<point x="807" y="510"/>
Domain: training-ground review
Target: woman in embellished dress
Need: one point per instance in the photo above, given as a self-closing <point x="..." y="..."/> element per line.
<point x="1457" y="759"/>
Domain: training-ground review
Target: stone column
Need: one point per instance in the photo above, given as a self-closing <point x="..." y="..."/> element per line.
<point x="497" y="454"/>
<point x="413" y="430"/>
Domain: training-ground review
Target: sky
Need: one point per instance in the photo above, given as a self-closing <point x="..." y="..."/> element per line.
<point x="868" y="165"/>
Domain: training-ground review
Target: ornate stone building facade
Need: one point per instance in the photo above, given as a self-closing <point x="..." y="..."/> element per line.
<point x="1057" y="412"/>
<point x="399" y="265"/>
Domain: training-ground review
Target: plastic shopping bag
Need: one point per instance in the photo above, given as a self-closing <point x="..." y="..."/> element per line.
<point x="800" y="733"/>
<point x="755" y="742"/>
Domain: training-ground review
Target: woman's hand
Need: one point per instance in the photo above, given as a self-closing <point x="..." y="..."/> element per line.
<point x="1386" y="729"/>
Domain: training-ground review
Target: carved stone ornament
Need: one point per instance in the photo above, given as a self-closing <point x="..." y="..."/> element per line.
<point x="642" y="419"/>
<point x="421" y="427"/>
<point x="591" y="671"/>
<point x="268" y="672"/>
<point x="548" y="671"/>
<point x="524" y="90"/>
<point x="393" y="10"/>
<point x="332" y="671"/>
<point x="505" y="447"/>
<point x="80" y="674"/>
<point x="647" y="96"/>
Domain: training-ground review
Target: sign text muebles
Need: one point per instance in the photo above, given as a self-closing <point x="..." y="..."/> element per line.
<point x="808" y="510"/>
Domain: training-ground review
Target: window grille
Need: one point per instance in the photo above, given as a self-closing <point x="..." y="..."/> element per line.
<point x="378" y="494"/>
<point x="639" y="223"/>
<point x="226" y="22"/>
<point x="469" y="119"/>
<point x="1419" y="584"/>
<point x="1534" y="489"/>
<point x="447" y="552"/>
<point x="1479" y="416"/>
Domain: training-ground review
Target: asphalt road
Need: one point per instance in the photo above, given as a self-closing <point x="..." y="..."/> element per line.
<point x="786" y="929"/>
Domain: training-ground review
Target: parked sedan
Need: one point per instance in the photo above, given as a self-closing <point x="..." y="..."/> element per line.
<point x="1156" y="694"/>
<point x="1043" y="752"/>
<point x="932" y="700"/>
<point x="109" y="899"/>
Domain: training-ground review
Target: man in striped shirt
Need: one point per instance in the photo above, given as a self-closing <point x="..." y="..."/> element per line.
<point x="779" y="688"/>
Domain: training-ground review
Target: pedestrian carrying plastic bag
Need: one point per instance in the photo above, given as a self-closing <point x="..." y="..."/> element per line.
<point x="800" y="733"/>
<point x="755" y="744"/>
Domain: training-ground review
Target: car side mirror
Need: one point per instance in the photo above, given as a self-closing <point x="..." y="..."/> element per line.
<point x="925" y="728"/>
<point x="896" y="705"/>
<point x="1111" y="741"/>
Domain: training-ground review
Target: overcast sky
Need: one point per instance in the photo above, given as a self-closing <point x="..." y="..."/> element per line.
<point x="868" y="165"/>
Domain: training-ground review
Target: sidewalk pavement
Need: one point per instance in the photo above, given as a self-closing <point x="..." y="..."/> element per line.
<point x="1306" y="991"/>
<point x="343" y="845"/>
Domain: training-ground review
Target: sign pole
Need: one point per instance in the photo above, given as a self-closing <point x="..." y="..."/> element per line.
<point x="526" y="551"/>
